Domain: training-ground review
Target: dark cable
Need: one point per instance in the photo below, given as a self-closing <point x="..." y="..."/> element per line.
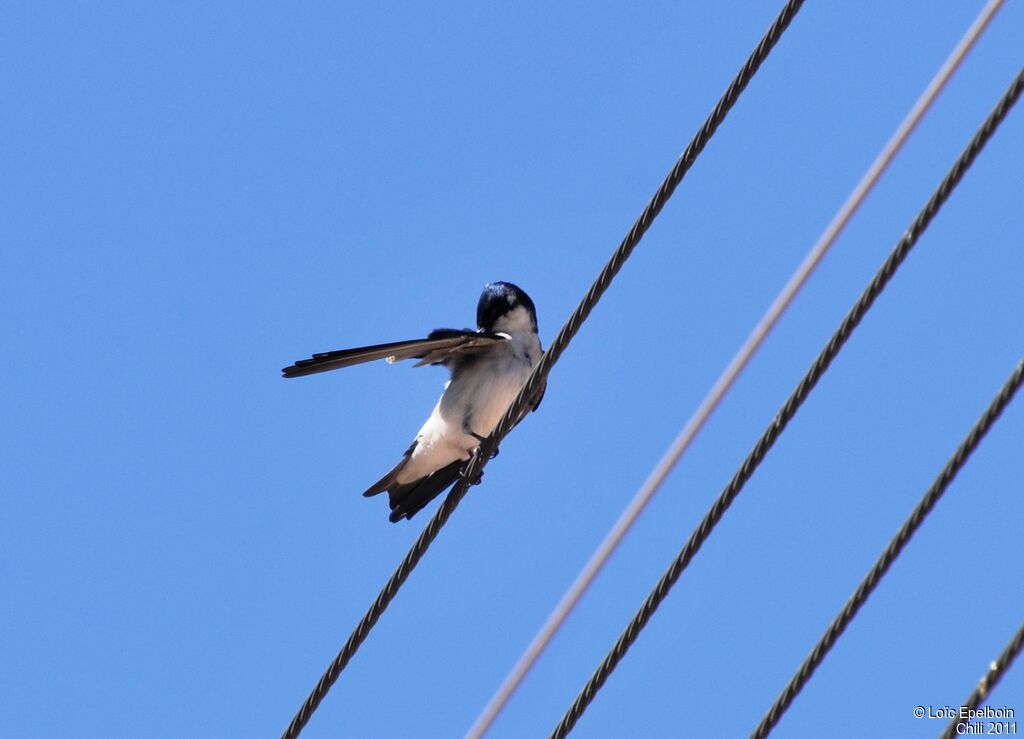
<point x="788" y="410"/>
<point x="540" y="372"/>
<point x="871" y="580"/>
<point x="995" y="673"/>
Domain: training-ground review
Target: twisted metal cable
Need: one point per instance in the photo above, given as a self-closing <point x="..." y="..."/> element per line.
<point x="789" y="409"/>
<point x="871" y="580"/>
<point x="540" y="372"/>
<point x="625" y="249"/>
<point x="991" y="678"/>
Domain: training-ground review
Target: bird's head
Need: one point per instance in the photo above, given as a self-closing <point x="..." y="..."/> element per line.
<point x="504" y="308"/>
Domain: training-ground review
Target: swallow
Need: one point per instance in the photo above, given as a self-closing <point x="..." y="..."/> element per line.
<point x="488" y="368"/>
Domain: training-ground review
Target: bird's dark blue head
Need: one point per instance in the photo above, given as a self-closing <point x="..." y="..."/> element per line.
<point x="499" y="309"/>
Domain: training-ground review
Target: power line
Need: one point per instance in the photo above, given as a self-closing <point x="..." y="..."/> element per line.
<point x="611" y="541"/>
<point x="540" y="372"/>
<point x="871" y="580"/>
<point x="991" y="678"/>
<point x="726" y="380"/>
<point x="788" y="410"/>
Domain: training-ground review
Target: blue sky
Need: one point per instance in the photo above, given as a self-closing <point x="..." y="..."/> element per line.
<point x="195" y="196"/>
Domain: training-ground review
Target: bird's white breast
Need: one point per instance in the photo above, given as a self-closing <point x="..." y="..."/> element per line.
<point x="477" y="398"/>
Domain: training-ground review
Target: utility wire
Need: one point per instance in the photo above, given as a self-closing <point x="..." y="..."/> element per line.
<point x="788" y="410"/>
<point x="725" y="382"/>
<point x="991" y="678"/>
<point x="539" y="375"/>
<point x="871" y="580"/>
<point x="611" y="541"/>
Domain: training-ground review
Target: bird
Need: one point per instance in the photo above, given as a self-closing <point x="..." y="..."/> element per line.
<point x="488" y="367"/>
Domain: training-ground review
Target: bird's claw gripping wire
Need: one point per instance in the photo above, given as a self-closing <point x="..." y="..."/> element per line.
<point x="482" y="439"/>
<point x="475" y="480"/>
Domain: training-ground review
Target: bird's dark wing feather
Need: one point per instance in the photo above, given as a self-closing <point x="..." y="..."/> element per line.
<point x="406" y="499"/>
<point x="441" y="345"/>
<point x="540" y="397"/>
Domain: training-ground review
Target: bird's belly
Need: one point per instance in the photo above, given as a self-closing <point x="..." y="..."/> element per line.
<point x="491" y="406"/>
<point x="438" y="444"/>
<point x="473" y="402"/>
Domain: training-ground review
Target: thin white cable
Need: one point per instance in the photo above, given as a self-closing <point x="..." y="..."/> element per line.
<point x="729" y="376"/>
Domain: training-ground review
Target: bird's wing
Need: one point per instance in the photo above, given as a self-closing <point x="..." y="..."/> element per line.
<point x="441" y="345"/>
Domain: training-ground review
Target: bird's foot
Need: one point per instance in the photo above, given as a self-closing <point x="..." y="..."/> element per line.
<point x="465" y="473"/>
<point x="481" y="439"/>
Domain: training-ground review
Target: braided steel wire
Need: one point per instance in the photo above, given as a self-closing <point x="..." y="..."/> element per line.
<point x="789" y="409"/>
<point x="875" y="575"/>
<point x="539" y="375"/>
<point x="654" y="207"/>
<point x="991" y="678"/>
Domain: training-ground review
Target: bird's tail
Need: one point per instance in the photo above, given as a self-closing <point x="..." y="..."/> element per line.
<point x="389" y="480"/>
<point x="407" y="499"/>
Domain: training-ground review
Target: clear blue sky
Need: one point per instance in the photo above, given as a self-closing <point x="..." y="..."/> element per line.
<point x="196" y="195"/>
